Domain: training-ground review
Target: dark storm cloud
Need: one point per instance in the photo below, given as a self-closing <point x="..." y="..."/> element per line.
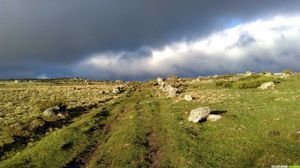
<point x="256" y="46"/>
<point x="58" y="33"/>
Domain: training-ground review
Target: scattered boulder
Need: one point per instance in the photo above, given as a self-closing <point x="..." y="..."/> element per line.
<point x="55" y="110"/>
<point x="51" y="112"/>
<point x="116" y="91"/>
<point x="172" y="92"/>
<point x="198" y="114"/>
<point x="188" y="98"/>
<point x="213" y="117"/>
<point x="119" y="81"/>
<point x="267" y="85"/>
<point x="284" y="76"/>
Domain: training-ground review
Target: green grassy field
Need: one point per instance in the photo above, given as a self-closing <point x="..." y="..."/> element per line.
<point x="142" y="127"/>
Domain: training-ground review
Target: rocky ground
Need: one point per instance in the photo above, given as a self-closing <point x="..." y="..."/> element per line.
<point x="242" y="120"/>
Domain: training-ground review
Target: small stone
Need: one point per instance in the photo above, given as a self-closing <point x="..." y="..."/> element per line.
<point x="213" y="117"/>
<point x="116" y="91"/>
<point x="188" y="98"/>
<point x="60" y="115"/>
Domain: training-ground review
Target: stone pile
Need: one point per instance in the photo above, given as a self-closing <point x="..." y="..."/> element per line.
<point x="167" y="88"/>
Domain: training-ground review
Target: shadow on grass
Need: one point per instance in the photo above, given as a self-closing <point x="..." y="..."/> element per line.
<point x="218" y="112"/>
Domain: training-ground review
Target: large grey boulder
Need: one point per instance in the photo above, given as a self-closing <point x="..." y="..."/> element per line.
<point x="213" y="117"/>
<point x="50" y="112"/>
<point x="198" y="114"/>
<point x="267" y="85"/>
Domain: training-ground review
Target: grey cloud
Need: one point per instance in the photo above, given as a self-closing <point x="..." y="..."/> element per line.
<point x="270" y="53"/>
<point x="61" y="33"/>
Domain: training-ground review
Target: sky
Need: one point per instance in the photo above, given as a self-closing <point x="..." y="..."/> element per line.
<point x="143" y="39"/>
